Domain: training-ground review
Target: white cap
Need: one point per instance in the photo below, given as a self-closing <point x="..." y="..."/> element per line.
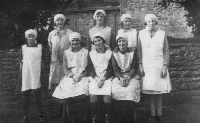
<point x="30" y="31"/>
<point x="125" y="16"/>
<point x="73" y="35"/>
<point x="98" y="11"/>
<point x="57" y="16"/>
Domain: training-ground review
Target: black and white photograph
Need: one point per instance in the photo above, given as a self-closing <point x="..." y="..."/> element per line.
<point x="100" y="61"/>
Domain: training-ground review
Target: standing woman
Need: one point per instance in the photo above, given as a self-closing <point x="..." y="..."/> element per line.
<point x="125" y="85"/>
<point x="155" y="61"/>
<point x="58" y="40"/>
<point x="100" y="83"/>
<point x="101" y="27"/>
<point x="31" y="54"/>
<point x="126" y="29"/>
<point x="74" y="86"/>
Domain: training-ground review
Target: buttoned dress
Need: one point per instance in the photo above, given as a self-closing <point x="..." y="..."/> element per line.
<point x="153" y="59"/>
<point x="101" y="65"/>
<point x="76" y="63"/>
<point x="58" y="41"/>
<point x="125" y="64"/>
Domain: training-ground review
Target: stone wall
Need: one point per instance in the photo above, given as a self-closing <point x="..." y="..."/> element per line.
<point x="184" y="67"/>
<point x="172" y="17"/>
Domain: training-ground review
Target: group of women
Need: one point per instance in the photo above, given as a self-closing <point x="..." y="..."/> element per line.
<point x="108" y="76"/>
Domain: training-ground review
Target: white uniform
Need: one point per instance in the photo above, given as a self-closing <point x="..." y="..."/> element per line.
<point x="100" y="62"/>
<point x="131" y="34"/>
<point x="152" y="60"/>
<point x="132" y="91"/>
<point x="59" y="42"/>
<point x="76" y="62"/>
<point x="31" y="68"/>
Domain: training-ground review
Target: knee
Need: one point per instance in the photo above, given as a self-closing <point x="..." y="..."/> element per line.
<point x="107" y="99"/>
<point x="93" y="98"/>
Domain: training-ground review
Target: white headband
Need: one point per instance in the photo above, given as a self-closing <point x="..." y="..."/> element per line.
<point x="99" y="11"/>
<point x="121" y="35"/>
<point x="30" y="31"/>
<point x="150" y="17"/>
<point x="98" y="34"/>
<point x="74" y="35"/>
<point x="57" y="16"/>
<point x="125" y="16"/>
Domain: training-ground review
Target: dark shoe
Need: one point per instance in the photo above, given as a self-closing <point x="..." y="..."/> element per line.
<point x="107" y="118"/>
<point x="25" y="119"/>
<point x="159" y="119"/>
<point x="152" y="119"/>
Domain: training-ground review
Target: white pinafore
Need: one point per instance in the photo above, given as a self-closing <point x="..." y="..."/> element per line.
<point x="31" y="67"/>
<point x="152" y="59"/>
<point x="132" y="91"/>
<point x="132" y="36"/>
<point x="77" y="62"/>
<point x="100" y="62"/>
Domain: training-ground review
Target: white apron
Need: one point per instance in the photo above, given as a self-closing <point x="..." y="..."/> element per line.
<point x="77" y="61"/>
<point x="152" y="59"/>
<point x="132" y="36"/>
<point x="100" y="62"/>
<point x="31" y="68"/>
<point x="132" y="91"/>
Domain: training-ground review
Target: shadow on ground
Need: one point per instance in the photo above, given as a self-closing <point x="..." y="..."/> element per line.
<point x="179" y="107"/>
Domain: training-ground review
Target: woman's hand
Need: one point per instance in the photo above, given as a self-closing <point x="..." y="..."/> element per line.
<point x="164" y="71"/>
<point x="76" y="78"/>
<point x="141" y="69"/>
<point x="100" y="83"/>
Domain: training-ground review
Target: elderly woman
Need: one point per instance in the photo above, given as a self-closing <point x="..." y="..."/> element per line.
<point x="100" y="83"/>
<point x="126" y="29"/>
<point x="125" y="85"/>
<point x="31" y="55"/>
<point x="155" y="61"/>
<point x="74" y="86"/>
<point x="100" y="27"/>
<point x="58" y="40"/>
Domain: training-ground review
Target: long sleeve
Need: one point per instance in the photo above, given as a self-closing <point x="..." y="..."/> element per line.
<point x="139" y="50"/>
<point x="65" y="65"/>
<point x="166" y="52"/>
<point x="135" y="65"/>
<point x="90" y="68"/>
<point x="109" y="70"/>
<point x="116" y="69"/>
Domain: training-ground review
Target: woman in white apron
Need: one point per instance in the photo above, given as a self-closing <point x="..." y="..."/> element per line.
<point x="101" y="27"/>
<point x="73" y="87"/>
<point x="126" y="29"/>
<point x="100" y="83"/>
<point x="155" y="61"/>
<point x="31" y="70"/>
<point x="126" y="84"/>
<point x="58" y="40"/>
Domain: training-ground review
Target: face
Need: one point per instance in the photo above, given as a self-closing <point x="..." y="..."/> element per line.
<point x="122" y="44"/>
<point x="75" y="43"/>
<point x="99" y="18"/>
<point x="59" y="23"/>
<point x="127" y="23"/>
<point x="151" y="24"/>
<point x="98" y="42"/>
<point x="31" y="38"/>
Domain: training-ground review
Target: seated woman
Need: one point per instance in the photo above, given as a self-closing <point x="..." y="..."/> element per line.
<point x="100" y="83"/>
<point x="74" y="86"/>
<point x="125" y="85"/>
